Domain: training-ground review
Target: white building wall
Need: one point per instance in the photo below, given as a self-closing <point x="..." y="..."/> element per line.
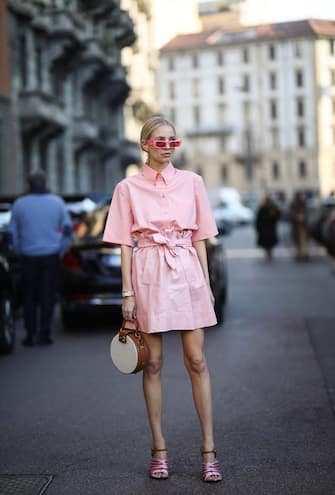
<point x="292" y="55"/>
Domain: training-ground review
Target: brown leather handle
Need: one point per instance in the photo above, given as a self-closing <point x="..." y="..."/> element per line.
<point x="126" y="330"/>
<point x="130" y="325"/>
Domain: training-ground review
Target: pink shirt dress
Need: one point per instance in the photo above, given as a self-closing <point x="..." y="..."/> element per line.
<point x="165" y="213"/>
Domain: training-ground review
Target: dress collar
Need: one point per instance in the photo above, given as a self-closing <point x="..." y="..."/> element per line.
<point x="152" y="175"/>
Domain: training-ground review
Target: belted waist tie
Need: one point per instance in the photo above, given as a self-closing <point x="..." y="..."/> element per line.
<point x="169" y="245"/>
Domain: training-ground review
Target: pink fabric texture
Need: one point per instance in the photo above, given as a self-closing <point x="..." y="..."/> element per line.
<point x="165" y="213"/>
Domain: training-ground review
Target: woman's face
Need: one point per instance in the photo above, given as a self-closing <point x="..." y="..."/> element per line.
<point x="160" y="156"/>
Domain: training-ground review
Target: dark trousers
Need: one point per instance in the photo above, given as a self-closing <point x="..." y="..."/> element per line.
<point x="40" y="282"/>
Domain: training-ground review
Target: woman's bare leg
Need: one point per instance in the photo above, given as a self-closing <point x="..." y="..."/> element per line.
<point x="152" y="389"/>
<point x="195" y="362"/>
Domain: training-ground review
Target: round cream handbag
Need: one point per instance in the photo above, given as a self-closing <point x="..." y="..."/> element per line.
<point x="129" y="351"/>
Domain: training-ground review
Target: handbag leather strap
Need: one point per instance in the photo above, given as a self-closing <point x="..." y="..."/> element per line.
<point x="125" y="330"/>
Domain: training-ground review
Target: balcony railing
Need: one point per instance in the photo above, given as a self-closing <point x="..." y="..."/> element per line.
<point x="38" y="110"/>
<point x="85" y="129"/>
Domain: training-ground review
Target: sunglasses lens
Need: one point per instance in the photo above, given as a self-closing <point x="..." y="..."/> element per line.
<point x="160" y="144"/>
<point x="164" y="144"/>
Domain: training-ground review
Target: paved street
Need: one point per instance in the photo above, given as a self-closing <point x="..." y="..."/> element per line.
<point x="66" y="412"/>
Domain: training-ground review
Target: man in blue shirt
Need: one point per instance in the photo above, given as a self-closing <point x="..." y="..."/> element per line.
<point x="40" y="229"/>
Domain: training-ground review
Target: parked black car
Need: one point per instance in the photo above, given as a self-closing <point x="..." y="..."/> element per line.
<point x="91" y="270"/>
<point x="322" y="223"/>
<point x="7" y="327"/>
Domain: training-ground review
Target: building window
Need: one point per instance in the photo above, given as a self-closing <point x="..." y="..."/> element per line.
<point x="220" y="58"/>
<point x="221" y="85"/>
<point x="332" y="47"/>
<point x="275" y="138"/>
<point x="332" y="77"/>
<point x="245" y="55"/>
<point x="333" y="106"/>
<point x="301" y="137"/>
<point x="172" y="115"/>
<point x="223" y="143"/>
<point x="297" y="49"/>
<point x="299" y="78"/>
<point x="273" y="110"/>
<point x="221" y="112"/>
<point x="196" y="88"/>
<point x="195" y="61"/>
<point x="302" y="169"/>
<point x="275" y="170"/>
<point x="245" y="82"/>
<point x="224" y="173"/>
<point x="172" y="90"/>
<point x="273" y="80"/>
<point x="38" y="62"/>
<point x="23" y="60"/>
<point x="300" y="107"/>
<point x="170" y="64"/>
<point x="272" y="52"/>
<point x="57" y="83"/>
<point x="196" y="115"/>
<point x="246" y="110"/>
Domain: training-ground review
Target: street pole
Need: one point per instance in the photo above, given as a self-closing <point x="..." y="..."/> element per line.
<point x="249" y="165"/>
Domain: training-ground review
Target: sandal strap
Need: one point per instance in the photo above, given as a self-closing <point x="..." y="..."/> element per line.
<point x="211" y="469"/>
<point x="159" y="466"/>
<point x="213" y="451"/>
<point x="163" y="463"/>
<point x="153" y="451"/>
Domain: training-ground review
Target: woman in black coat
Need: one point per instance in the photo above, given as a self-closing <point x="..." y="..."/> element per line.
<point x="266" y="226"/>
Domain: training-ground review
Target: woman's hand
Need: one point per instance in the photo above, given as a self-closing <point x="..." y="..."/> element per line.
<point x="129" y="308"/>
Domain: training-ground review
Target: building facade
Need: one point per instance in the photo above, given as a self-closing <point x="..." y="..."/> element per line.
<point x="67" y="92"/>
<point x="155" y="22"/>
<point x="140" y="61"/>
<point x="255" y="106"/>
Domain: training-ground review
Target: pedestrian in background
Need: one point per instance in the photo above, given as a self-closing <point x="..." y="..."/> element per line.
<point x="266" y="226"/>
<point x="166" y="280"/>
<point x="40" y="229"/>
<point x="299" y="226"/>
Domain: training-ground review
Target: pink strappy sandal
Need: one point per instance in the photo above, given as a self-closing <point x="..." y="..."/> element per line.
<point x="159" y="468"/>
<point x="211" y="471"/>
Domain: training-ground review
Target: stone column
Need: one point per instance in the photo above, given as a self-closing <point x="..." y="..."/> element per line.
<point x="31" y="60"/>
<point x="68" y="179"/>
<point x="84" y="174"/>
<point x="52" y="166"/>
<point x="34" y="157"/>
<point x="46" y="88"/>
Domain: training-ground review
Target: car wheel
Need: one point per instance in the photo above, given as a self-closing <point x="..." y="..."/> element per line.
<point x="7" y="326"/>
<point x="69" y="319"/>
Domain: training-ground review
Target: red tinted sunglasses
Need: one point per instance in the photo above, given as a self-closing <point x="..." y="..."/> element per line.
<point x="160" y="143"/>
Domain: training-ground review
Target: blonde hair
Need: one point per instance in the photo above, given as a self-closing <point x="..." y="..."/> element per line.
<point x="151" y="124"/>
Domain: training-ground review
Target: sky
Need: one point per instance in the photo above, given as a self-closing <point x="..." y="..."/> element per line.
<point x="282" y="10"/>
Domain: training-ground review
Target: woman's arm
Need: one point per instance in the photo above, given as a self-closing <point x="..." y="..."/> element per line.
<point x="200" y="248"/>
<point x="128" y="303"/>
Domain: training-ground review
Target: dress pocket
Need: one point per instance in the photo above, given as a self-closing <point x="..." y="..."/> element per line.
<point x="150" y="269"/>
<point x="193" y="271"/>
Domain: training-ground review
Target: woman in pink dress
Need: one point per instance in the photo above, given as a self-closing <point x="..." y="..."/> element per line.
<point x="165" y="279"/>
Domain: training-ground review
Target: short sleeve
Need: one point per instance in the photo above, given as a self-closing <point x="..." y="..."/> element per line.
<point x="204" y="215"/>
<point x="120" y="218"/>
